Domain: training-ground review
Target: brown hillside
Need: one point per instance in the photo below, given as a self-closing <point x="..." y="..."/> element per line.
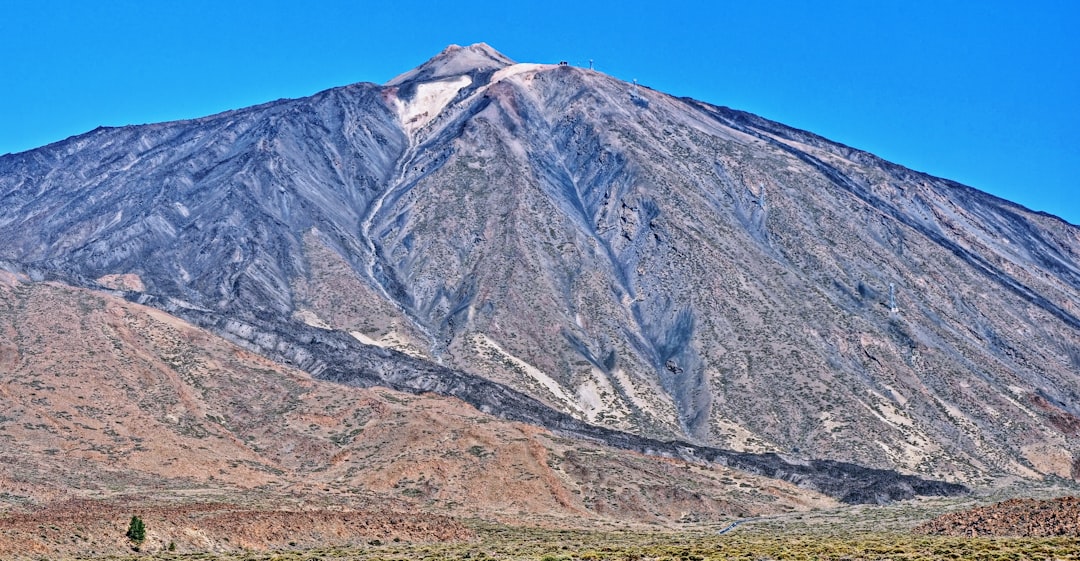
<point x="105" y="400"/>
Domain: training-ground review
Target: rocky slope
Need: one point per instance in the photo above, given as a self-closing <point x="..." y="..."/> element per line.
<point x="104" y="399"/>
<point x="637" y="262"/>
<point x="1015" y="517"/>
<point x="99" y="392"/>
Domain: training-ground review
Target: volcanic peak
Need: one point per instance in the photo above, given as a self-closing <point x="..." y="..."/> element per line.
<point x="455" y="60"/>
<point x="423" y="94"/>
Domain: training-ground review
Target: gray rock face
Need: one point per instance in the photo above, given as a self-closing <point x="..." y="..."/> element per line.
<point x="634" y="261"/>
<point x="211" y="210"/>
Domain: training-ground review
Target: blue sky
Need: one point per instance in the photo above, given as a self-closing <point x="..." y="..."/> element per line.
<point x="986" y="93"/>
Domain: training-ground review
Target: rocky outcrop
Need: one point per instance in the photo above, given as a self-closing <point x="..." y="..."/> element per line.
<point x="1014" y="517"/>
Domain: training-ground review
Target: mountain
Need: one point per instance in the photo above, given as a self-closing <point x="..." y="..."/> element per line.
<point x="556" y="246"/>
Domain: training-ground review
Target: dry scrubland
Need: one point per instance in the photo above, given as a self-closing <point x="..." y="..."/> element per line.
<point x="750" y="544"/>
<point x="849" y="533"/>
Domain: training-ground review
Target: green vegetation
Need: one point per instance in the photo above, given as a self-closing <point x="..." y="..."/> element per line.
<point x="136" y="531"/>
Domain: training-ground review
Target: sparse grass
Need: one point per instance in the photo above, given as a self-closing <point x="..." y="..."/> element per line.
<point x="748" y="543"/>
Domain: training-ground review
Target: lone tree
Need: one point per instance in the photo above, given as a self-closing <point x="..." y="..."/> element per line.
<point x="136" y="531"/>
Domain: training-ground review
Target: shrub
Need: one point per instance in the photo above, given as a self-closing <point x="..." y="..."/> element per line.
<point x="136" y="531"/>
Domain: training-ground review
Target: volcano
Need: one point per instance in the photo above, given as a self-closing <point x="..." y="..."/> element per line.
<point x="556" y="246"/>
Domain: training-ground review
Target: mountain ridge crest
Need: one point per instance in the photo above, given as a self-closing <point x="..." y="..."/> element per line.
<point x="455" y="60"/>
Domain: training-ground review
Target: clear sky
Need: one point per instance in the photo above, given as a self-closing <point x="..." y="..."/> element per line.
<point x="986" y="92"/>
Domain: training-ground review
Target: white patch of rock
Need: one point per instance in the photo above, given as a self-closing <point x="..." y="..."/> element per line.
<point x="486" y="346"/>
<point x="429" y="101"/>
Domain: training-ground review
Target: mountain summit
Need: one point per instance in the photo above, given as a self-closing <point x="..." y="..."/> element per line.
<point x="455" y="61"/>
<point x="554" y="245"/>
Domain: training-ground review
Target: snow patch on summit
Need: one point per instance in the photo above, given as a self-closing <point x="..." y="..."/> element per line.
<point x="455" y="61"/>
<point x="430" y="99"/>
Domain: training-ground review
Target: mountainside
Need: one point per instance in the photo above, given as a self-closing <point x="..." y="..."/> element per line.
<point x="104" y="399"/>
<point x="639" y="262"/>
